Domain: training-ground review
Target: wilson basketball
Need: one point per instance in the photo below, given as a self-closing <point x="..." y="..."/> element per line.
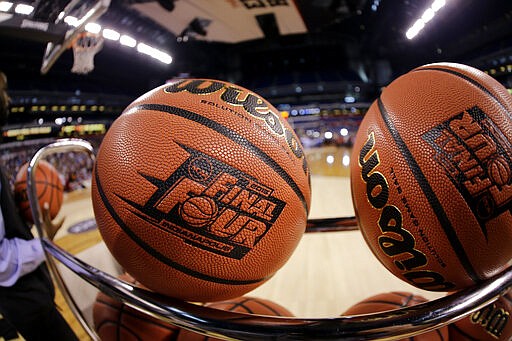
<point x="113" y="320"/>
<point x="490" y="323"/>
<point x="49" y="189"/>
<point x="200" y="190"/>
<point x="430" y="175"/>
<point x="392" y="301"/>
<point x="246" y="305"/>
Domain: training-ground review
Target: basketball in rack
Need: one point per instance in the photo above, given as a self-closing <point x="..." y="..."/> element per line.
<point x="85" y="47"/>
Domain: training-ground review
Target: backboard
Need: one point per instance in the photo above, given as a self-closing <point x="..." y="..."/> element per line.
<point x="76" y="15"/>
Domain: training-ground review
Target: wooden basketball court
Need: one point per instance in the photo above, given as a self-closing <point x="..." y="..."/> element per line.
<point x="328" y="272"/>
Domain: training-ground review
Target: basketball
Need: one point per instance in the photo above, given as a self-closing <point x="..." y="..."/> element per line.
<point x="246" y="305"/>
<point x="490" y="323"/>
<point x="392" y="301"/>
<point x="201" y="190"/>
<point x="49" y="189"/>
<point x="113" y="320"/>
<point x="430" y="177"/>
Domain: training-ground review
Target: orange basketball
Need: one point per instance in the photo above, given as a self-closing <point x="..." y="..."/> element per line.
<point x="490" y="323"/>
<point x="246" y="305"/>
<point x="200" y="190"/>
<point x="430" y="175"/>
<point x="113" y="320"/>
<point x="392" y="301"/>
<point x="49" y="189"/>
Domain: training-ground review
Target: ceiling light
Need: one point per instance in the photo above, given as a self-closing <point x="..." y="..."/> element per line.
<point x="92" y="27"/>
<point x="349" y="99"/>
<point x="24" y="9"/>
<point x="438" y="4"/>
<point x="163" y="57"/>
<point x="71" y="21"/>
<point x="155" y="53"/>
<point x="411" y="33"/>
<point x="111" y="34"/>
<point x="127" y="41"/>
<point x="415" y="29"/>
<point x="146" y="49"/>
<point x="428" y="15"/>
<point x="5" y="6"/>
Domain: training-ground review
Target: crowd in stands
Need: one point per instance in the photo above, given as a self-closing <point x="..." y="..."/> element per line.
<point x="75" y="168"/>
<point x="321" y="131"/>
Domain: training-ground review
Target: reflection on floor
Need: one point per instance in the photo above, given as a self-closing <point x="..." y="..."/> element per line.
<point x="327" y="273"/>
<point x="329" y="160"/>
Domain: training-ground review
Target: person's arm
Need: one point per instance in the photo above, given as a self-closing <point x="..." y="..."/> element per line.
<point x="17" y="256"/>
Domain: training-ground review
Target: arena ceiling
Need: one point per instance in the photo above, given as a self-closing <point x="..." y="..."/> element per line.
<point x="251" y="41"/>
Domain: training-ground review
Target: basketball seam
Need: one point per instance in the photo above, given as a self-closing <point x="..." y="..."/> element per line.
<point x="232" y="135"/>
<point x="408" y="300"/>
<point x="119" y="319"/>
<point x="244" y="304"/>
<point x="241" y="305"/>
<point x="269" y="307"/>
<point x="46" y="181"/>
<point x="429" y="194"/>
<point x="412" y="298"/>
<point x="470" y="80"/>
<point x="51" y="191"/>
<point x="438" y="332"/>
<point x="147" y="248"/>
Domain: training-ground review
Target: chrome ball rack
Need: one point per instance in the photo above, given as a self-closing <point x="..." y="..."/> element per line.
<point x="396" y="324"/>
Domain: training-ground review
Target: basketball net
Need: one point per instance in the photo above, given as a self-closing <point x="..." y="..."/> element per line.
<point x="85" y="47"/>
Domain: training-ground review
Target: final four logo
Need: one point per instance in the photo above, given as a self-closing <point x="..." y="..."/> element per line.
<point x="475" y="155"/>
<point x="211" y="205"/>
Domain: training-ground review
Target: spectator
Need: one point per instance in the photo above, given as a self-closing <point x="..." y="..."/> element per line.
<point x="26" y="289"/>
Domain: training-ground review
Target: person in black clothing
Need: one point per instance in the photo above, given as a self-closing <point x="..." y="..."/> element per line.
<point x="26" y="289"/>
<point x="8" y="331"/>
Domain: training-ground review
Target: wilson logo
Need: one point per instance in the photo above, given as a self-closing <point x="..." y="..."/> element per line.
<point x="211" y="205"/>
<point x="492" y="318"/>
<point x="396" y="241"/>
<point x="252" y="104"/>
<point x="474" y="154"/>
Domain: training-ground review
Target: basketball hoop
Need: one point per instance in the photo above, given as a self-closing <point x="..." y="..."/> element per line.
<point x="85" y="47"/>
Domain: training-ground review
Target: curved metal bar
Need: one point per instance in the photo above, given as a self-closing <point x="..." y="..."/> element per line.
<point x="63" y="145"/>
<point x="59" y="146"/>
<point x="402" y="323"/>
